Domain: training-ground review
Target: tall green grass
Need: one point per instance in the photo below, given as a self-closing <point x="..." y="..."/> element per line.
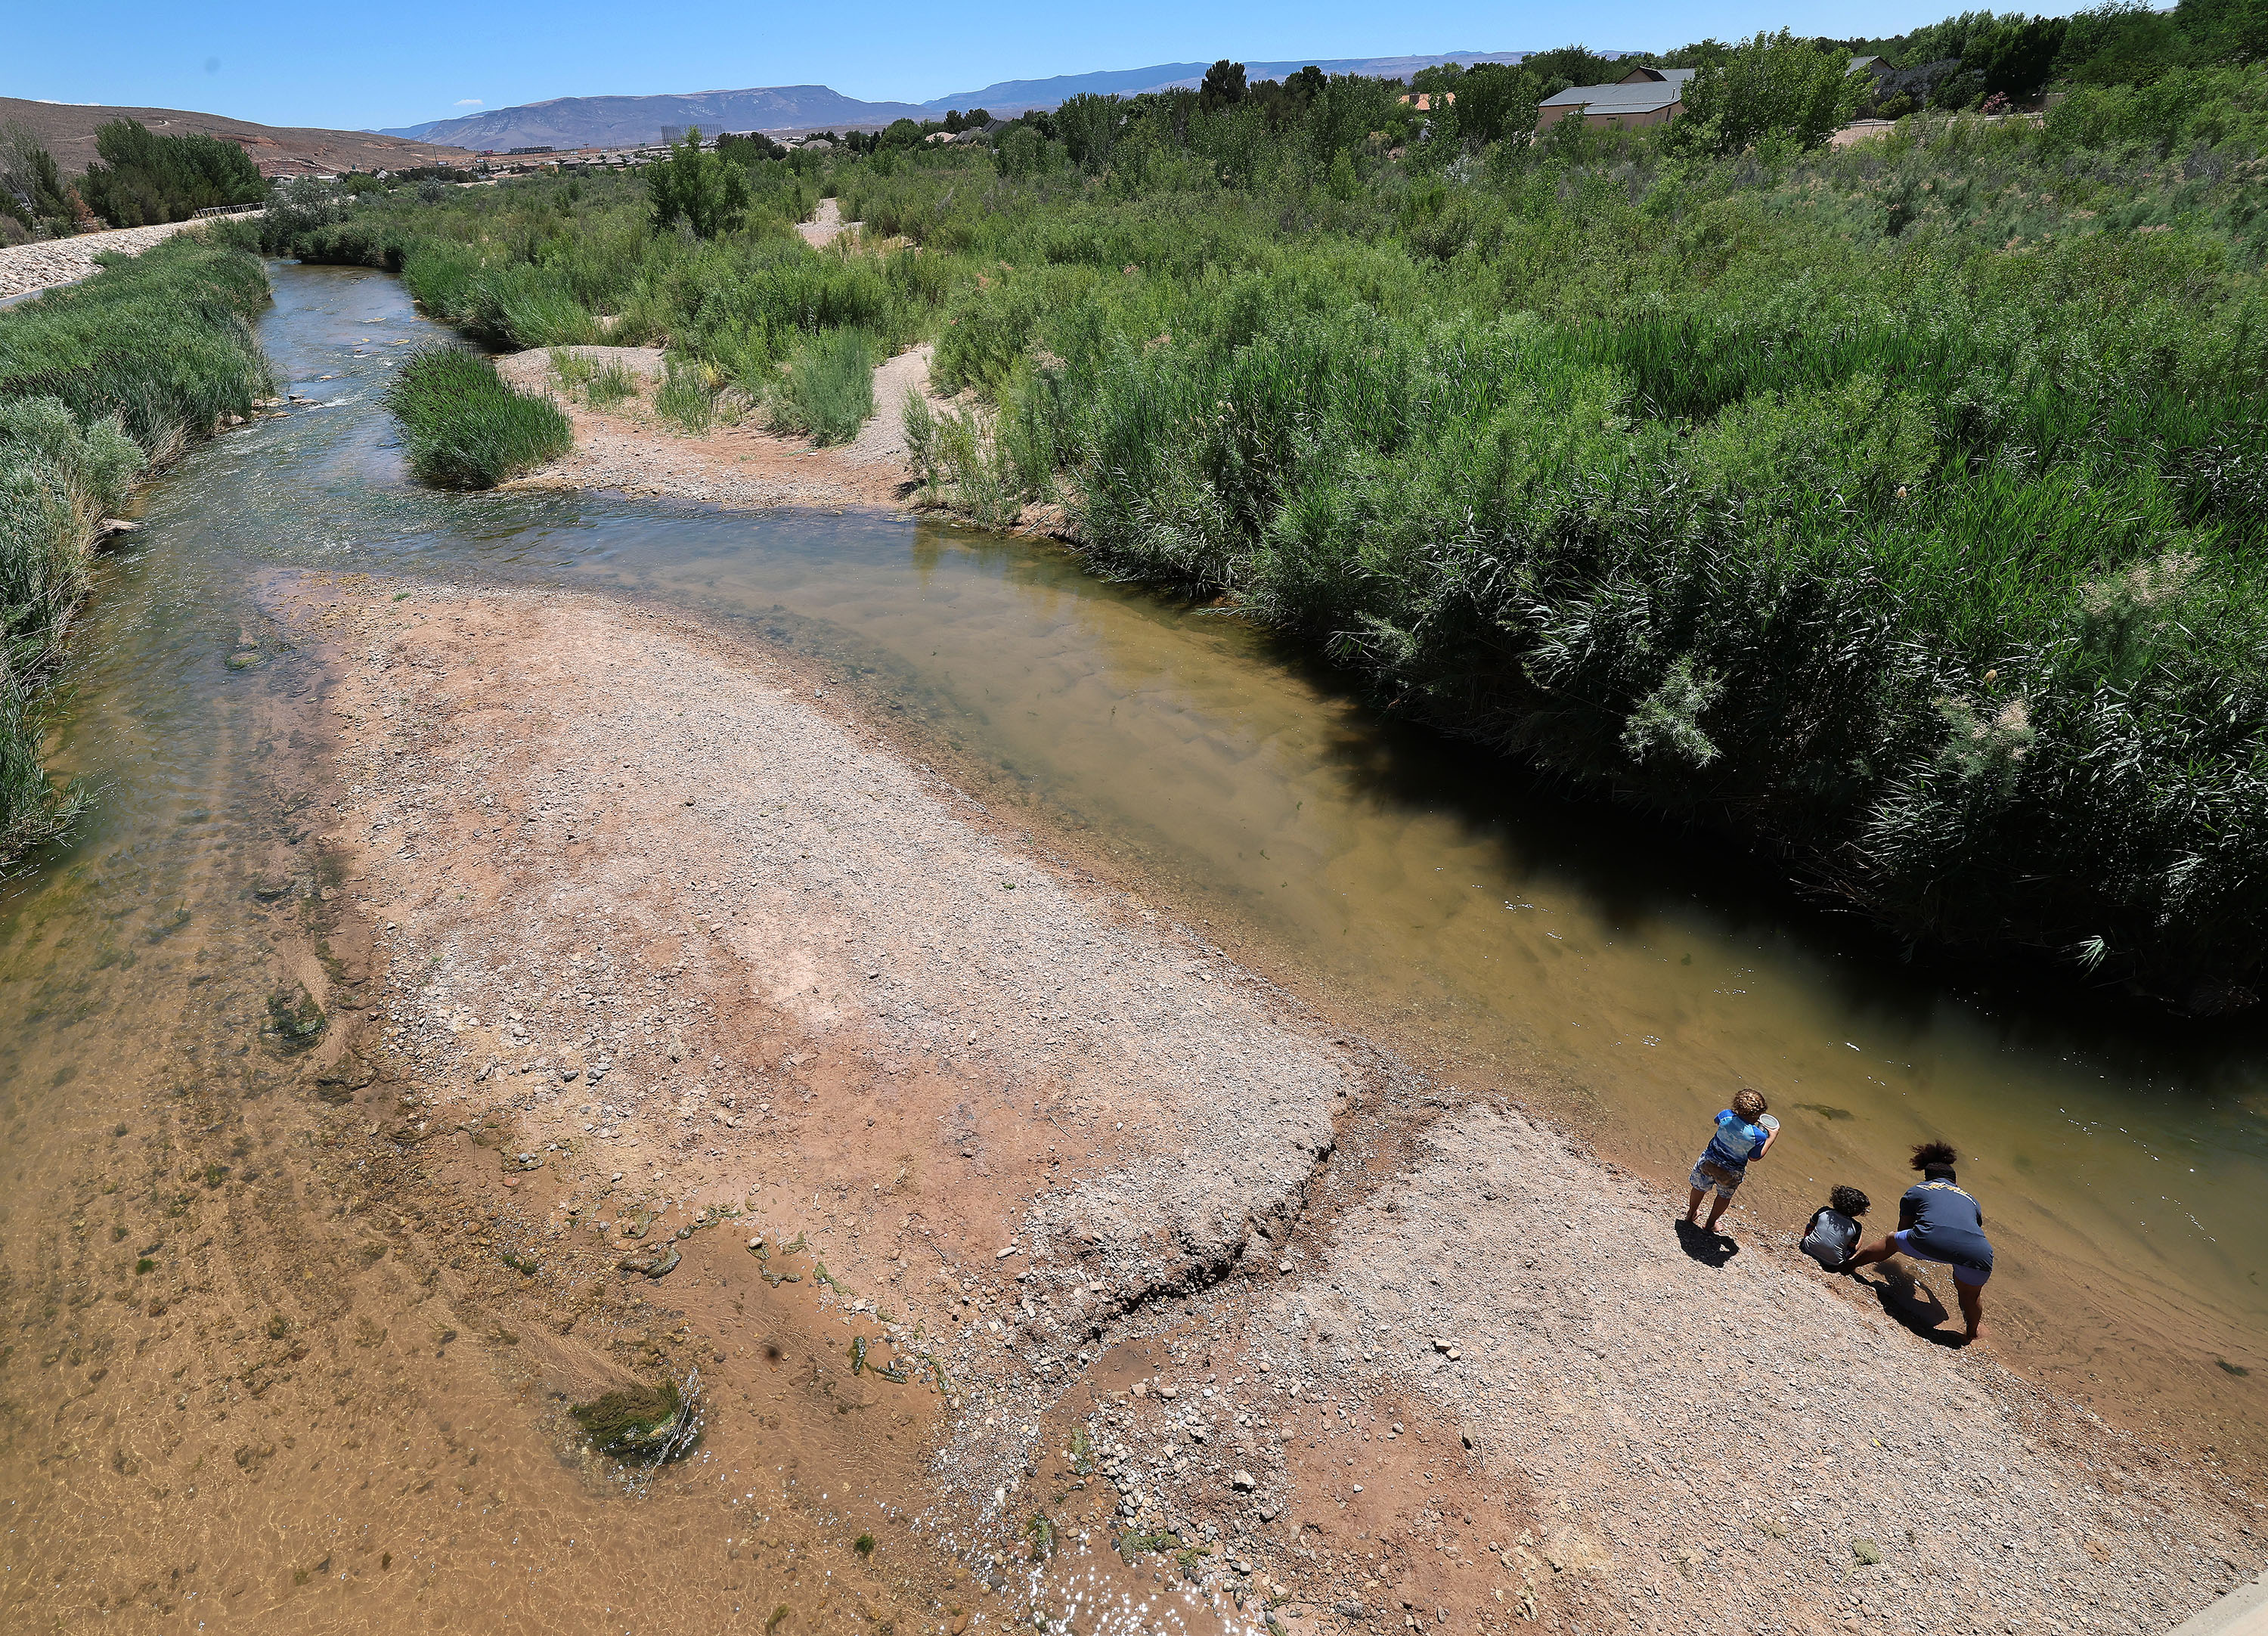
<point x="464" y="428"/>
<point x="1901" y="509"/>
<point x="827" y="393"/>
<point x="99" y="382"/>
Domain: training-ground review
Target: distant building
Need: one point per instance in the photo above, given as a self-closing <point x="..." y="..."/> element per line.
<point x="1644" y="96"/>
<point x="516" y="151"/>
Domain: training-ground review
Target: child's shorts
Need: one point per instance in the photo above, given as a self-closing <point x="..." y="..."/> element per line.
<point x="1701" y="1181"/>
<point x="1969" y="1276"/>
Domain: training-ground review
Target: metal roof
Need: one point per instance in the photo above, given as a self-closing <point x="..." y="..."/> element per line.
<point x="1639" y="96"/>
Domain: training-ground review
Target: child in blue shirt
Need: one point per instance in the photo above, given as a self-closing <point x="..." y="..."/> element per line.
<point x="1743" y="1133"/>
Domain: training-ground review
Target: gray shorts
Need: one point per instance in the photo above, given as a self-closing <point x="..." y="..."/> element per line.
<point x="1702" y="1182"/>
<point x="1969" y="1276"/>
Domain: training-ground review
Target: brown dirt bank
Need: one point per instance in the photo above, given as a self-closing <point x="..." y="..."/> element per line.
<point x="669" y="929"/>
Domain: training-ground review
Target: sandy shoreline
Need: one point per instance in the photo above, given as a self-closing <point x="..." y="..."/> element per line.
<point x="1071" y="1150"/>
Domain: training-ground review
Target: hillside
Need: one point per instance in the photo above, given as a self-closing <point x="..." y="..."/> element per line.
<point x="1013" y="96"/>
<point x="610" y="121"/>
<point x="66" y="129"/>
<point x="607" y="122"/>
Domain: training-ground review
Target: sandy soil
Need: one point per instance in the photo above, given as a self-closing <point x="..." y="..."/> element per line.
<point x="24" y="267"/>
<point x="826" y="225"/>
<point x="630" y="449"/>
<point x="671" y="932"/>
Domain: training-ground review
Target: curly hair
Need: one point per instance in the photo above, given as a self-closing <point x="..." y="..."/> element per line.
<point x="1750" y="1105"/>
<point x="1934" y="1156"/>
<point x="1850" y="1201"/>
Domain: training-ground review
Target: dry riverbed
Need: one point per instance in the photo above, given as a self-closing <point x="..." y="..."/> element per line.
<point x="676" y="949"/>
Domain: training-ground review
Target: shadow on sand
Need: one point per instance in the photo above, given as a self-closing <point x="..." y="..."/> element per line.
<point x="1710" y="1250"/>
<point x="1911" y="1304"/>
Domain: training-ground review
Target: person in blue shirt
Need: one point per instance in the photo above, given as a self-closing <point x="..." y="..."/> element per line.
<point x="1937" y="1221"/>
<point x="1743" y="1133"/>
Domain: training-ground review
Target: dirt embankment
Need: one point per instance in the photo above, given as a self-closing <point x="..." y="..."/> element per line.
<point x="52" y="262"/>
<point x="678" y="939"/>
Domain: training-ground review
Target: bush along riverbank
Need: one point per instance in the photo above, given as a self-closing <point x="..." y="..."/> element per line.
<point x="1897" y="507"/>
<point x="100" y="384"/>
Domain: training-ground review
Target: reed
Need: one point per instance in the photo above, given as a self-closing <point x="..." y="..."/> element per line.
<point x="99" y="382"/>
<point x="464" y="428"/>
<point x="1899" y="508"/>
<point x="827" y="393"/>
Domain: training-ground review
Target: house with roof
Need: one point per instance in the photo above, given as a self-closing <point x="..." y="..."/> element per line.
<point x="1644" y="96"/>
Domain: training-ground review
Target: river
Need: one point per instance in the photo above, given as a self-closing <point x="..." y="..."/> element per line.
<point x="1625" y="979"/>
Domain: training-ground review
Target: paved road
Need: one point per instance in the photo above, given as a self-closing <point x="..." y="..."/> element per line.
<point x="26" y="268"/>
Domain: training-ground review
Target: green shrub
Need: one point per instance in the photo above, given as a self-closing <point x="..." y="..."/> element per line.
<point x="143" y="178"/>
<point x="828" y="391"/>
<point x="609" y="385"/>
<point x="687" y="397"/>
<point x="464" y="428"/>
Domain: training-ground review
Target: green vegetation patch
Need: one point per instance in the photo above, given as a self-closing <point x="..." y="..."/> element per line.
<point x="464" y="428"/>
<point x="100" y="381"/>
<point x="635" y="1420"/>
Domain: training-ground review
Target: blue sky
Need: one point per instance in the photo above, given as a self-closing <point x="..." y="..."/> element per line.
<point x="353" y="67"/>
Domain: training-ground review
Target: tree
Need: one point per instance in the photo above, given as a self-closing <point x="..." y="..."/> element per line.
<point x="1441" y="78"/>
<point x="31" y="189"/>
<point x="143" y="179"/>
<point x="1090" y="125"/>
<point x="1494" y="101"/>
<point x="1773" y="91"/>
<point x="1223" y="86"/>
<point x="706" y="193"/>
<point x="2014" y="53"/>
<point x="1572" y="65"/>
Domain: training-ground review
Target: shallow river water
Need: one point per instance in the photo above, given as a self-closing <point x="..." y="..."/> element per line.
<point x="1628" y="980"/>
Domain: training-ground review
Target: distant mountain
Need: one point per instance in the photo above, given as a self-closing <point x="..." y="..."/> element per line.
<point x="66" y="129"/>
<point x="1013" y="96"/>
<point x="624" y="121"/>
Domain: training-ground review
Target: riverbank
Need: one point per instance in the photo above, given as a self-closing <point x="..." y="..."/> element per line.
<point x="52" y="263"/>
<point x="627" y="446"/>
<point x="1076" y="1151"/>
<point x="101" y="385"/>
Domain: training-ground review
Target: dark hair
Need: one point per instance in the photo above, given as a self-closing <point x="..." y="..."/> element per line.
<point x="1934" y="1156"/>
<point x="1849" y="1200"/>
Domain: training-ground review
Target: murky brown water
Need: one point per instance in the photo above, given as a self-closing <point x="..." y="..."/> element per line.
<point x="268" y="1413"/>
